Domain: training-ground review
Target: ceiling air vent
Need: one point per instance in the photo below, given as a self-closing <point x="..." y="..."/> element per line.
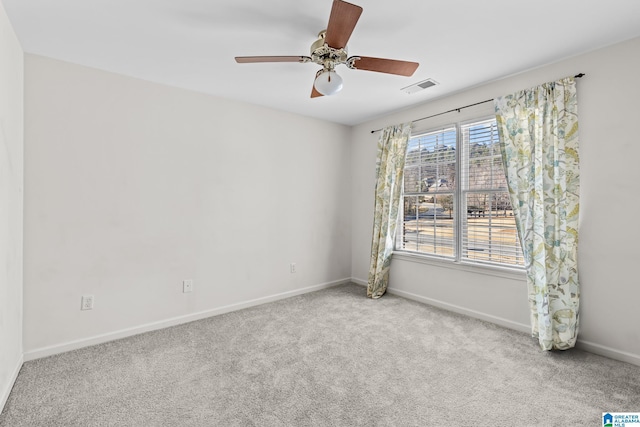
<point x="419" y="86"/>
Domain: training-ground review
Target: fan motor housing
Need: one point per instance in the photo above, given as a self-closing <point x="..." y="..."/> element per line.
<point x="325" y="55"/>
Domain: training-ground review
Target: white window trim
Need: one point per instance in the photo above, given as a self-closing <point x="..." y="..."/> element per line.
<point x="457" y="263"/>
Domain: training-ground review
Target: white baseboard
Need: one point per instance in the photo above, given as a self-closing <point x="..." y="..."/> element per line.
<point x="598" y="349"/>
<point x="601" y="350"/>
<point x="510" y="324"/>
<point x="76" y="344"/>
<point x="359" y="281"/>
<point x="111" y="336"/>
<point x="452" y="307"/>
<point x="4" y="394"/>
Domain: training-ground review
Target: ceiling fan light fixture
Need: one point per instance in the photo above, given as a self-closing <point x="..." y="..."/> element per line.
<point x="328" y="83"/>
<point x="330" y="50"/>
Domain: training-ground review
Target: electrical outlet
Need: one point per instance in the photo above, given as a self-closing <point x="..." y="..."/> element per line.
<point x="292" y="266"/>
<point x="187" y="286"/>
<point x="87" y="302"/>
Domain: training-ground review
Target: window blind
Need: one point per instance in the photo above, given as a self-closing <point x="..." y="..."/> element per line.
<point x="429" y="224"/>
<point x="488" y="229"/>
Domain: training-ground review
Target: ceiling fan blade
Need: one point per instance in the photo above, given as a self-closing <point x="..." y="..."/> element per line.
<point x="343" y="19"/>
<point x="389" y="66"/>
<point x="252" y="59"/>
<point x="314" y="91"/>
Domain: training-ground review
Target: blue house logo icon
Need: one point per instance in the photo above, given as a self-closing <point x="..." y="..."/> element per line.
<point x="607" y="420"/>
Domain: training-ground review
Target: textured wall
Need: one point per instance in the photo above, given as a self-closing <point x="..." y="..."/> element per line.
<point x="132" y="187"/>
<point x="11" y="177"/>
<point x="609" y="151"/>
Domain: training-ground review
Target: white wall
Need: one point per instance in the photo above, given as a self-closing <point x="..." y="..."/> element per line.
<point x="11" y="176"/>
<point x="609" y="152"/>
<point x="131" y="187"/>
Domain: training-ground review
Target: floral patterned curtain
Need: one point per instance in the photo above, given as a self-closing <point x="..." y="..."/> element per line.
<point x="392" y="149"/>
<point x="539" y="141"/>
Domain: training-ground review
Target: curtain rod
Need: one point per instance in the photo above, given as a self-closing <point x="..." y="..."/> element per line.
<point x="577" y="76"/>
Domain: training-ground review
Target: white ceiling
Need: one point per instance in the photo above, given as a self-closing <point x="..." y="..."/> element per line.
<point x="192" y="44"/>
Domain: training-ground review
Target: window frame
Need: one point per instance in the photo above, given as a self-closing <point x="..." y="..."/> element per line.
<point x="459" y="224"/>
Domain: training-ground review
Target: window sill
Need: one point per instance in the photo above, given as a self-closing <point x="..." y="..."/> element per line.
<point x="506" y="272"/>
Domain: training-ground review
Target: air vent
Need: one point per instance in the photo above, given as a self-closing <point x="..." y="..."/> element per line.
<point x="419" y="86"/>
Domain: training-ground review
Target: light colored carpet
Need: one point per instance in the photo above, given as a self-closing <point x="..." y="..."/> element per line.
<point x="328" y="358"/>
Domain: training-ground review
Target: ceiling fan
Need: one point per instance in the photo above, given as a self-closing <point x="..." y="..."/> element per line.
<point x="330" y="50"/>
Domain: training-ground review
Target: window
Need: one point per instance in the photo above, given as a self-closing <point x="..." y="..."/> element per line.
<point x="455" y="203"/>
